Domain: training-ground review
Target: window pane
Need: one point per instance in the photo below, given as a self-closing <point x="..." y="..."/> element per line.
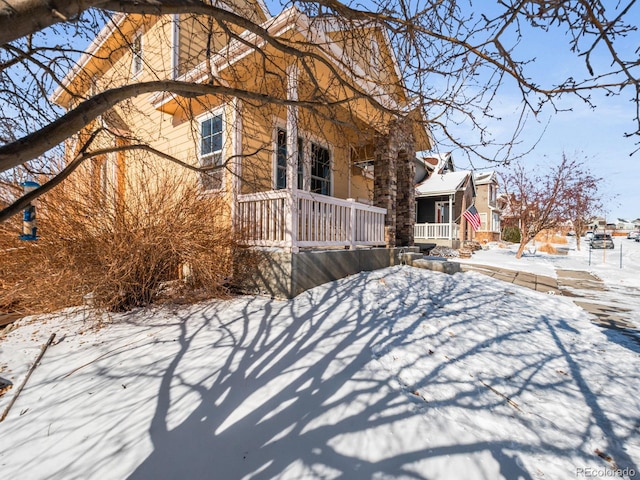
<point x="320" y="170"/>
<point x="216" y="142"/>
<point x="206" y="128"/>
<point x="211" y="135"/>
<point x="281" y="159"/>
<point x="216" y="124"/>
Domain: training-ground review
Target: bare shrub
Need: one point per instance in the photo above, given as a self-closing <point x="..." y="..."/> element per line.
<point x="550" y="236"/>
<point x="119" y="254"/>
<point x="547" y="248"/>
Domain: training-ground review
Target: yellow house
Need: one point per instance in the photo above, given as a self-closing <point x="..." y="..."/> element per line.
<point x="300" y="124"/>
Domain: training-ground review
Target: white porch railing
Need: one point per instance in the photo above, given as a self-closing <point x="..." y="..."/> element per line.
<point x="264" y="219"/>
<point x="436" y="230"/>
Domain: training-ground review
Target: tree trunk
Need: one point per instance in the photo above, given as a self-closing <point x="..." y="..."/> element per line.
<point x="524" y="240"/>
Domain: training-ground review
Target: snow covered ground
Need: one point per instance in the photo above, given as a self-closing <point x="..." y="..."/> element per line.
<point x="619" y="268"/>
<point x="397" y="373"/>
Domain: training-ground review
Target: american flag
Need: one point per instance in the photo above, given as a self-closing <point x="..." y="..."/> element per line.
<point x="473" y="217"/>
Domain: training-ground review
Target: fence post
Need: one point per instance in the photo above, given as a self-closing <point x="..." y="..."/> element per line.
<point x="352" y="223"/>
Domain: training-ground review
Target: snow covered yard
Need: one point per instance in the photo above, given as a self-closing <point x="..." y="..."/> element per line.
<point x="398" y="373"/>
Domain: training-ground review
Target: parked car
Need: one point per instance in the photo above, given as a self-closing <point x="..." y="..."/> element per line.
<point x="602" y="240"/>
<point x="633" y="235"/>
<point x="638" y="238"/>
<point x="588" y="235"/>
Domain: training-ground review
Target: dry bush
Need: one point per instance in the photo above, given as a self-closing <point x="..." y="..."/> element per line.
<point x="551" y="237"/>
<point x="118" y="254"/>
<point x="547" y="248"/>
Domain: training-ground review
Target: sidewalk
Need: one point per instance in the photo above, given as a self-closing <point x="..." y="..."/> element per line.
<point x="570" y="283"/>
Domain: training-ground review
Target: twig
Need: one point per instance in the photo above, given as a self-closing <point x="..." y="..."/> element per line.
<point x="24" y="382"/>
<point x="509" y="401"/>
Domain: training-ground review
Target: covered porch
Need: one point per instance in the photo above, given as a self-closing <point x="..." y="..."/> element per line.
<point x="446" y="234"/>
<point x="295" y="219"/>
<point x="435" y="221"/>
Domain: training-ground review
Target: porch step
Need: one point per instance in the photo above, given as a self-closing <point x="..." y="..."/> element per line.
<point x="439" y="265"/>
<point x="410" y="257"/>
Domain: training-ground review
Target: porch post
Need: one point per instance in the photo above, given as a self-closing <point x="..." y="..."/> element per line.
<point x="463" y="222"/>
<point x="451" y="220"/>
<point x="291" y="202"/>
<point x="236" y="161"/>
<point x="385" y="185"/>
<point x="394" y="176"/>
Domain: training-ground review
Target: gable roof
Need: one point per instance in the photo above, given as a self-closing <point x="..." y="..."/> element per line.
<point x="436" y="162"/>
<point x="291" y="21"/>
<point x="484" y="177"/>
<point x="443" y="183"/>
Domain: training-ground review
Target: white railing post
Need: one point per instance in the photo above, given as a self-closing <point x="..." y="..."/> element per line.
<point x="351" y="231"/>
<point x="291" y="210"/>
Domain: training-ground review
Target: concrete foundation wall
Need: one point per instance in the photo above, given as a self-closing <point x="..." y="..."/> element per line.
<point x="285" y="275"/>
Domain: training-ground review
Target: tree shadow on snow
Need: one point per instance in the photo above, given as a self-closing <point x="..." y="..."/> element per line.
<point x="307" y="388"/>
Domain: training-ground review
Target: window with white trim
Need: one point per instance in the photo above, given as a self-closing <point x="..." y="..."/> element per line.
<point x="483" y="221"/>
<point x="281" y="159"/>
<point x="496" y="222"/>
<point x="211" y="152"/>
<point x="319" y="159"/>
<point x="136" y="49"/>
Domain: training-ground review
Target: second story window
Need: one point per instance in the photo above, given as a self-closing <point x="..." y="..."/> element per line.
<point x="492" y="194"/>
<point x="136" y="48"/>
<point x="211" y="151"/>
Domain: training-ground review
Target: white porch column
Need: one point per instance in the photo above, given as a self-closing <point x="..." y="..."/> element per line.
<point x="175" y="45"/>
<point x="236" y="160"/>
<point x="291" y="208"/>
<point x="451" y="218"/>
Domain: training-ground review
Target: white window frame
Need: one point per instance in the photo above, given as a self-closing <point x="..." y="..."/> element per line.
<point x="282" y="126"/>
<point x="308" y="151"/>
<point x="137" y="58"/>
<point x="305" y="155"/>
<point x="205" y="159"/>
<point x="496" y="222"/>
<point x="484" y="225"/>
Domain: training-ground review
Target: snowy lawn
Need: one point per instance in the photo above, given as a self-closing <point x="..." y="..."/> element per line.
<point x="398" y="373"/>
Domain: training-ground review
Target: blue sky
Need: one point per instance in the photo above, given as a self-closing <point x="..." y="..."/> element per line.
<point x="595" y="135"/>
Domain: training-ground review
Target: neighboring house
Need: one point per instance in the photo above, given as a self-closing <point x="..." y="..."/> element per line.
<point x="441" y="199"/>
<point x="597" y="224"/>
<point x="622" y="224"/>
<point x="293" y="179"/>
<point x="509" y="216"/>
<point x="487" y="205"/>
